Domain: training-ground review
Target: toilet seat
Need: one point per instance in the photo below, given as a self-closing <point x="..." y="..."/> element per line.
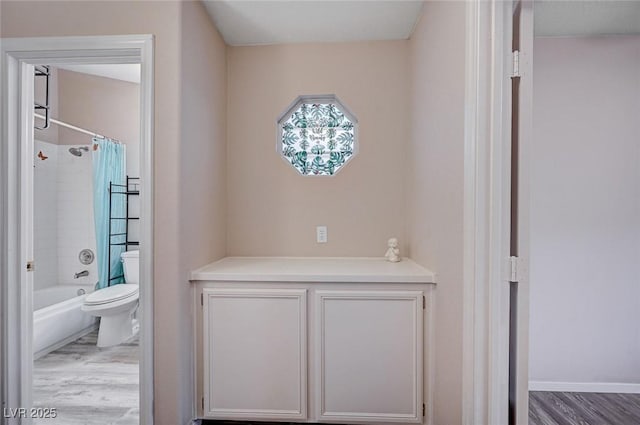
<point x="111" y="294"/>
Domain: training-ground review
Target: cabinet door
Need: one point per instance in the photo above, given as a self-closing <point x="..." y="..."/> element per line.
<point x="255" y="351"/>
<point x="369" y="356"/>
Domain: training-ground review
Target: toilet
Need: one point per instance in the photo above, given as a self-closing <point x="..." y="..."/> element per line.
<point x="116" y="304"/>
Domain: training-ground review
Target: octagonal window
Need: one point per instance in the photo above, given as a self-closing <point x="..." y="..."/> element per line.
<point x="317" y="135"/>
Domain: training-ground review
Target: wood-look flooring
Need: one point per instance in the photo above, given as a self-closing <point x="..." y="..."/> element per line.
<point x="89" y="385"/>
<point x="559" y="408"/>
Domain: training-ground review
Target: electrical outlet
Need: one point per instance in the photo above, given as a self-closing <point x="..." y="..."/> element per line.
<point x="321" y="234"/>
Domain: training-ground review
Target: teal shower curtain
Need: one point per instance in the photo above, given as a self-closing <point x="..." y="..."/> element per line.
<point x="109" y="165"/>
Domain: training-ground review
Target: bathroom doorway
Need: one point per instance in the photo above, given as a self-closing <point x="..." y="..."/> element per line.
<point x="50" y="199"/>
<point x="86" y="225"/>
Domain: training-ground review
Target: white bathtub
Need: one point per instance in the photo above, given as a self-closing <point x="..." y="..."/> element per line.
<point x="57" y="317"/>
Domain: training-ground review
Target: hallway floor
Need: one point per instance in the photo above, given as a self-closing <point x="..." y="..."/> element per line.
<point x="89" y="385"/>
<point x="558" y="408"/>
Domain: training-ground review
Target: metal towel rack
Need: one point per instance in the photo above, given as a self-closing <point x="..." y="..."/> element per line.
<point x="43" y="71"/>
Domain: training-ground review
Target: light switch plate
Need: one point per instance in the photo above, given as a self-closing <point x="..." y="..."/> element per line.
<point x="321" y="234"/>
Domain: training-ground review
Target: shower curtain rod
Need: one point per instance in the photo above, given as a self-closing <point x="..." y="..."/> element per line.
<point x="73" y="127"/>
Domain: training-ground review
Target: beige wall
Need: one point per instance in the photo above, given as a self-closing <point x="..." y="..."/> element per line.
<point x="104" y="105"/>
<point x="202" y="159"/>
<point x="163" y="19"/>
<point x="204" y="135"/>
<point x="272" y="210"/>
<point x="435" y="184"/>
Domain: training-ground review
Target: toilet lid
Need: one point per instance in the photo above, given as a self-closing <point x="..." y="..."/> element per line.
<point x="111" y="294"/>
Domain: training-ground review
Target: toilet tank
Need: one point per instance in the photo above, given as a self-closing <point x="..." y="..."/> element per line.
<point x="131" y="265"/>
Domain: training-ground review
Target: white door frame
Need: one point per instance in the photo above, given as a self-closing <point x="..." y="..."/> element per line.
<point x="487" y="185"/>
<point x="19" y="55"/>
<point x="525" y="142"/>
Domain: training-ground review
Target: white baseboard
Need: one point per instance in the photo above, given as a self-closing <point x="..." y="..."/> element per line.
<point x="585" y="387"/>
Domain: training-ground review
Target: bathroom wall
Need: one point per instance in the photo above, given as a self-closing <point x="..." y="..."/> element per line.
<point x="173" y="398"/>
<point x="585" y="214"/>
<point x="107" y="106"/>
<point x="76" y="229"/>
<point x="272" y="209"/>
<point x="63" y="216"/>
<point x="45" y="215"/>
<point x="435" y="160"/>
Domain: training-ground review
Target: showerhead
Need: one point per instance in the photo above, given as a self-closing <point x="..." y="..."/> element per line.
<point x="78" y="151"/>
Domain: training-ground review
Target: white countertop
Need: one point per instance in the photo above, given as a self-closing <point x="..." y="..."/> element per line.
<point x="313" y="269"/>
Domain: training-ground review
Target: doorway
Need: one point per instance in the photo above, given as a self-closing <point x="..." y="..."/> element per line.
<point x="579" y="198"/>
<point x="72" y="360"/>
<point x="20" y="59"/>
<point x="584" y="349"/>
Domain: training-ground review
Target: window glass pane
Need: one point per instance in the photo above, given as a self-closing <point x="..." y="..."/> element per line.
<point x="317" y="137"/>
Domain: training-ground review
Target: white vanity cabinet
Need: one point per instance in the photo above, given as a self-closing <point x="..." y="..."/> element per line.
<point x="255" y="353"/>
<point x="368" y="355"/>
<point x="286" y="340"/>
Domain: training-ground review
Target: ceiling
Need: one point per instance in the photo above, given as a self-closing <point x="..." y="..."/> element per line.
<point x="553" y="18"/>
<point x="243" y="23"/>
<point x="123" y="72"/>
<point x="247" y="22"/>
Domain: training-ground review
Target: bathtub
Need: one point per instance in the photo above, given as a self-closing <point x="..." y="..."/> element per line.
<point x="57" y="317"/>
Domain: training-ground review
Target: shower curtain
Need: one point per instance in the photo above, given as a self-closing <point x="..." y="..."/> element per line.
<point x="109" y="165"/>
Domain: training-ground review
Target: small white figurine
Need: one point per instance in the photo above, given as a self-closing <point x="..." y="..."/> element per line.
<point x="393" y="253"/>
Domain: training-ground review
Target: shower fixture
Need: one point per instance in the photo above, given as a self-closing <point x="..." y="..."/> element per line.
<point x="83" y="273"/>
<point x="78" y="151"/>
<point x="86" y="256"/>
